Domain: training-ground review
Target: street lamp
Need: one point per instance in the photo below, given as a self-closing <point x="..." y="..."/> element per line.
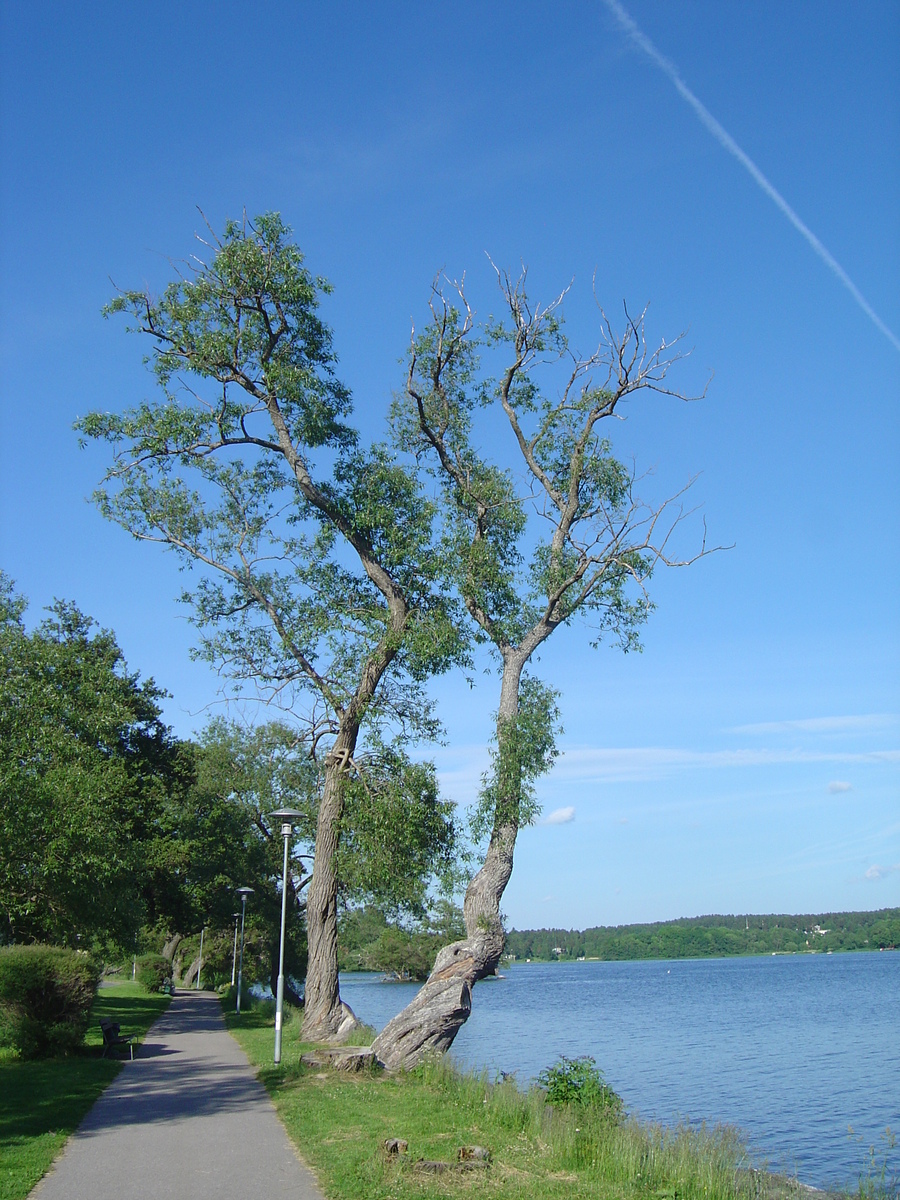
<point x="237" y="917"/>
<point x="286" y="816"/>
<point x="243" y="892"/>
<point x="200" y="962"/>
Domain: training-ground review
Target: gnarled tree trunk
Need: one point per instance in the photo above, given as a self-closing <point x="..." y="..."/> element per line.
<point x="431" y="1021"/>
<point x="173" y="941"/>
<point x="325" y="1017"/>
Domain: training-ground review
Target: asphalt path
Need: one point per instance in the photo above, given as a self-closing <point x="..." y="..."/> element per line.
<point x="187" y="1120"/>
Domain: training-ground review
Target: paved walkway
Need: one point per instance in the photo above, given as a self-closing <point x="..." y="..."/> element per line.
<point x="187" y="1120"/>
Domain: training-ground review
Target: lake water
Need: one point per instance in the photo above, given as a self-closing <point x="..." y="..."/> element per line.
<point x="792" y="1049"/>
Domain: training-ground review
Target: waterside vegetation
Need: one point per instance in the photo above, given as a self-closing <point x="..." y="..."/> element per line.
<point x="713" y="937"/>
<point x="494" y="1138"/>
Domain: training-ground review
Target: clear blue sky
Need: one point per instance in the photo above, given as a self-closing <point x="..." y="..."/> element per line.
<point x="749" y="759"/>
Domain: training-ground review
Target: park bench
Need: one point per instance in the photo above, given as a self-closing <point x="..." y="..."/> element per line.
<point x="111" y="1039"/>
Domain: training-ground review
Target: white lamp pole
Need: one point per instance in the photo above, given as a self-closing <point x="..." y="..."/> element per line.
<point x="200" y="963"/>
<point x="287" y="816"/>
<point x="237" y="917"/>
<point x="243" y="892"/>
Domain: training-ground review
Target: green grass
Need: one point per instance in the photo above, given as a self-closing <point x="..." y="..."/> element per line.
<point x="339" y="1123"/>
<point x="42" y="1102"/>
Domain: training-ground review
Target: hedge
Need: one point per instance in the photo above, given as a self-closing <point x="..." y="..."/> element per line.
<point x="46" y="994"/>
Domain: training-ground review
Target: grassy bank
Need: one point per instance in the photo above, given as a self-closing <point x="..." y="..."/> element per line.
<point x="43" y="1102"/>
<point x="340" y="1123"/>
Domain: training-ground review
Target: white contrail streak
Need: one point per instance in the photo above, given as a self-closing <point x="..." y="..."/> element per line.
<point x="724" y="138"/>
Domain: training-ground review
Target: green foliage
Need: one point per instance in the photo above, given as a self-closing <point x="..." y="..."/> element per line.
<point x="318" y="585"/>
<point x="578" y="1082"/>
<point x="221" y="837"/>
<point x="260" y="482"/>
<point x="404" y="954"/>
<point x="46" y="994"/>
<point x="397" y="832"/>
<point x="714" y="937"/>
<point x="368" y="941"/>
<point x="85" y="764"/>
<point x="524" y="749"/>
<point x="591" y="546"/>
<point x="153" y="972"/>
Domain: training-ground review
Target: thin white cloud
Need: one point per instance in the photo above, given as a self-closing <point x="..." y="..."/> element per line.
<point x="588" y="763"/>
<point x="560" y="816"/>
<point x="839" y="785"/>
<point x="461" y="767"/>
<point x="867" y="722"/>
<point x="877" y="872"/>
<point x="728" y="143"/>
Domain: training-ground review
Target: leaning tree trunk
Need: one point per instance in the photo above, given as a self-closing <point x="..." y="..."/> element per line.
<point x="173" y="941"/>
<point x="431" y="1021"/>
<point x="325" y="1017"/>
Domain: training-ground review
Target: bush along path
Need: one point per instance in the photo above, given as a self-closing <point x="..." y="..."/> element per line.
<point x="371" y="1135"/>
<point x="43" y="1101"/>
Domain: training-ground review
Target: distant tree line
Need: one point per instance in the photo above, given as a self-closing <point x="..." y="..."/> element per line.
<point x="713" y="937"/>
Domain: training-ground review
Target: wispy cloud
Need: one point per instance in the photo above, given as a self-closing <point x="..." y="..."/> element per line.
<point x="728" y="143"/>
<point x="877" y="872"/>
<point x="460" y="769"/>
<point x="839" y="785"/>
<point x="560" y="816"/>
<point x="862" y="723"/>
<point x="586" y="763"/>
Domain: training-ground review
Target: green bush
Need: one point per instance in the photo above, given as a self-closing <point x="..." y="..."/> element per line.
<point x="577" y="1081"/>
<point x="46" y="994"/>
<point x="263" y="1006"/>
<point x="153" y="972"/>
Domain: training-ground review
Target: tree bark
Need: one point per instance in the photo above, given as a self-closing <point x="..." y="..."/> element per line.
<point x="187" y="979"/>
<point x="172" y="943"/>
<point x="431" y="1021"/>
<point x="325" y="1017"/>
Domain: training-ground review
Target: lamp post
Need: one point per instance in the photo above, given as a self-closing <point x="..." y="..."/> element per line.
<point x="237" y="917"/>
<point x="243" y="892"/>
<point x="200" y="962"/>
<point x="287" y="816"/>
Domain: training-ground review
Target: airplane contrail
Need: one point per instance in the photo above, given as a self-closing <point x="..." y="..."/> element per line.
<point x="724" y="138"/>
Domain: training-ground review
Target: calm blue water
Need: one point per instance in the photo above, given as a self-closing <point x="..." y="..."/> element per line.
<point x="792" y="1049"/>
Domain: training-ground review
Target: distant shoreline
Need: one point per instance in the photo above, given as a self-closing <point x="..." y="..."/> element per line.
<point x="521" y="962"/>
<point x="715" y="936"/>
<point x="506" y="963"/>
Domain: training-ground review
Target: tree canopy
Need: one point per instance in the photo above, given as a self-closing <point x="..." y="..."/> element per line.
<point x="317" y="579"/>
<point x="86" y="763"/>
<point x="546" y="527"/>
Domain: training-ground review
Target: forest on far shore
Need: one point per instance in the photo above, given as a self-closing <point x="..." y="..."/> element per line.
<point x="370" y="941"/>
<point x="713" y="937"/>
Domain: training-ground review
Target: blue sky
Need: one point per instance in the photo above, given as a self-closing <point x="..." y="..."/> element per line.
<point x="748" y="759"/>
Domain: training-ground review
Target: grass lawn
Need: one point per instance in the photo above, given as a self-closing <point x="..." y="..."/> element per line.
<point x="42" y="1102"/>
<point x="339" y="1123"/>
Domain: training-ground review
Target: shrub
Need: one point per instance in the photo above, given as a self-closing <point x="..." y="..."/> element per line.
<point x="263" y="1006"/>
<point x="577" y="1081"/>
<point x="153" y="972"/>
<point x="46" y="994"/>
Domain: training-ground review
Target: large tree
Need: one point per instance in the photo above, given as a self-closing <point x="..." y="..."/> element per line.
<point x="550" y="530"/>
<point x="316" y="578"/>
<point x="86" y="765"/>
